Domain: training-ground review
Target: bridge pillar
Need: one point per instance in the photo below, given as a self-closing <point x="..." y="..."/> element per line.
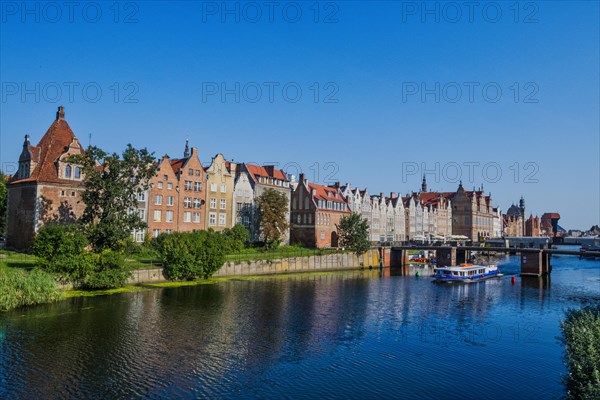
<point x="445" y="256"/>
<point x="535" y="263"/>
<point x="398" y="258"/>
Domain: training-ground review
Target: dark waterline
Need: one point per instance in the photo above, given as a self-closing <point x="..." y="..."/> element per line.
<point x="343" y="335"/>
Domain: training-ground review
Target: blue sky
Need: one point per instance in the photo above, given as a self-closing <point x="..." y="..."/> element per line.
<point x="387" y="89"/>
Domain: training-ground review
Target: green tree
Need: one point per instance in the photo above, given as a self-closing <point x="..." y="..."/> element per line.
<point x="61" y="250"/>
<point x="192" y="255"/>
<point x="353" y="233"/>
<point x="112" y="184"/>
<point x="273" y="207"/>
<point x="235" y="238"/>
<point x="3" y="203"/>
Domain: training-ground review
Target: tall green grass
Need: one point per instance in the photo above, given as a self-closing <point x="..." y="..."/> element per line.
<point x="19" y="288"/>
<point x="581" y="338"/>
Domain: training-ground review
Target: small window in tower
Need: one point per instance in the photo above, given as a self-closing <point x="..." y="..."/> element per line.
<point x="72" y="194"/>
<point x="68" y="171"/>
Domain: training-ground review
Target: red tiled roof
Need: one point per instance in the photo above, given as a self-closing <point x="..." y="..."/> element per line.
<point x="53" y="144"/>
<point x="267" y="170"/>
<point x="551" y="216"/>
<point x="176" y="164"/>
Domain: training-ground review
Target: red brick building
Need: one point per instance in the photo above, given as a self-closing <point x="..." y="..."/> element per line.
<point x="46" y="188"/>
<point x="533" y="226"/>
<point x="316" y="212"/>
<point x="177" y="195"/>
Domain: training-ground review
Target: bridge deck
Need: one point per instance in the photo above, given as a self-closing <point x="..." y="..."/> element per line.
<point x="503" y="250"/>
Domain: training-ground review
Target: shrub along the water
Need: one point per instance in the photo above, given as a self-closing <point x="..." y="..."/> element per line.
<point x="581" y="338"/>
<point x="19" y="288"/>
<point x="192" y="255"/>
<point x="61" y="250"/>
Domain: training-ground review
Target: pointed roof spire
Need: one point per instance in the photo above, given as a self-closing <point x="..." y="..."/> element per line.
<point x="60" y="114"/>
<point x="186" y="152"/>
<point x="424" y="184"/>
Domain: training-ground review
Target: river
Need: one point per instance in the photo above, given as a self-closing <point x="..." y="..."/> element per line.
<point x="347" y="335"/>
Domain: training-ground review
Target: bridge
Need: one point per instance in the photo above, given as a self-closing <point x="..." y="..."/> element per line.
<point x="534" y="262"/>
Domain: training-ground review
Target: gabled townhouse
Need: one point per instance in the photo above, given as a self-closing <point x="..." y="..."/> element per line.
<point x="46" y="187"/>
<point x="177" y="196"/>
<point x="219" y="193"/>
<point x="316" y="213"/>
<point x="251" y="182"/>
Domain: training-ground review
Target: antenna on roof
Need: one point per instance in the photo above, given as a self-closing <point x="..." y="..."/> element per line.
<point x="90" y="139"/>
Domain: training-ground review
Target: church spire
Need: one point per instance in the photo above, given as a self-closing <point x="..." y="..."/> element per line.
<point x="186" y="152"/>
<point x="424" y="184"/>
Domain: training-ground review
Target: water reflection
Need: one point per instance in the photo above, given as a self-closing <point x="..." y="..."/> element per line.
<point x="355" y="334"/>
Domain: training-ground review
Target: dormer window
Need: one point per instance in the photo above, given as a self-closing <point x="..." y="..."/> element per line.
<point x="77" y="172"/>
<point x="68" y="171"/>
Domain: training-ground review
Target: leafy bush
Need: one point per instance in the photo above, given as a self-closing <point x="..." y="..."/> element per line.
<point x="581" y="338"/>
<point x="61" y="250"/>
<point x="19" y="288"/>
<point x="109" y="270"/>
<point x="188" y="256"/>
<point x="235" y="239"/>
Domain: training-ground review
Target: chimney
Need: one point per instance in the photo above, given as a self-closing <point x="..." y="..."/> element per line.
<point x="302" y="179"/>
<point x="392" y="195"/>
<point x="60" y="114"/>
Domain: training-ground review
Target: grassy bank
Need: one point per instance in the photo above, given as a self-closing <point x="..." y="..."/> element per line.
<point x="581" y="338"/>
<point x="19" y="287"/>
<point x="254" y="254"/>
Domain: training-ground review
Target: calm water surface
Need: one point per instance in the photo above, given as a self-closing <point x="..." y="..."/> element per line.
<point x="342" y="335"/>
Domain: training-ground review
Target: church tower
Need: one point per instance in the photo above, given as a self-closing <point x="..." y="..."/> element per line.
<point x="424" y="184"/>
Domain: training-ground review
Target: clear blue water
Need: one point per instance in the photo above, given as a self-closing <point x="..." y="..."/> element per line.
<point x="352" y="335"/>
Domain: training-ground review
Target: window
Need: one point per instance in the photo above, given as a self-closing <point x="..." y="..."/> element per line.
<point x="168" y="231"/>
<point x="160" y="185"/>
<point x="223" y="188"/>
<point x="196" y="217"/>
<point x="212" y="219"/>
<point x="68" y="171"/>
<point x="62" y="193"/>
<point x="310" y="218"/>
<point x="187" y="216"/>
<point x="169" y="186"/>
<point x="139" y="236"/>
<point x="142" y="214"/>
<point x="299" y="218"/>
<point x="156" y="232"/>
<point x="190" y="171"/>
<point x="158" y="200"/>
<point x="197" y="203"/>
<point x="72" y="194"/>
<point x="141" y="196"/>
<point x="213" y="203"/>
<point x="187" y="202"/>
<point x="197" y="186"/>
<point x="157" y="216"/>
<point x="197" y="172"/>
<point x="170" y="200"/>
<point x="165" y="177"/>
<point x="222" y="217"/>
<point x="213" y="187"/>
<point x="223" y="204"/>
<point x="169" y="216"/>
<point x="322" y="235"/>
<point x="77" y="172"/>
<point x="187" y="185"/>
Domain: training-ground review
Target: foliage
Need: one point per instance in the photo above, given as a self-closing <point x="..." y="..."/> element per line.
<point x="581" y="338"/>
<point x="273" y="207"/>
<point x="108" y="270"/>
<point x="112" y="184"/>
<point x="61" y="250"/>
<point x="354" y="234"/>
<point x="235" y="238"/>
<point x="19" y="288"/>
<point x="192" y="255"/>
<point x="3" y="203"/>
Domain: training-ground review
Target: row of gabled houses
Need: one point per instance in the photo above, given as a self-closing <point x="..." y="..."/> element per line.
<point x="187" y="195"/>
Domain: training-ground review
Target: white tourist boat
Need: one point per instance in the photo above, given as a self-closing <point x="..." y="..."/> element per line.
<point x="466" y="273"/>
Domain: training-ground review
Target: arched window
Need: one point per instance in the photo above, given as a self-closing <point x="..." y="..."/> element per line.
<point x="306" y="203"/>
<point x="77" y="172"/>
<point x="68" y="171"/>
